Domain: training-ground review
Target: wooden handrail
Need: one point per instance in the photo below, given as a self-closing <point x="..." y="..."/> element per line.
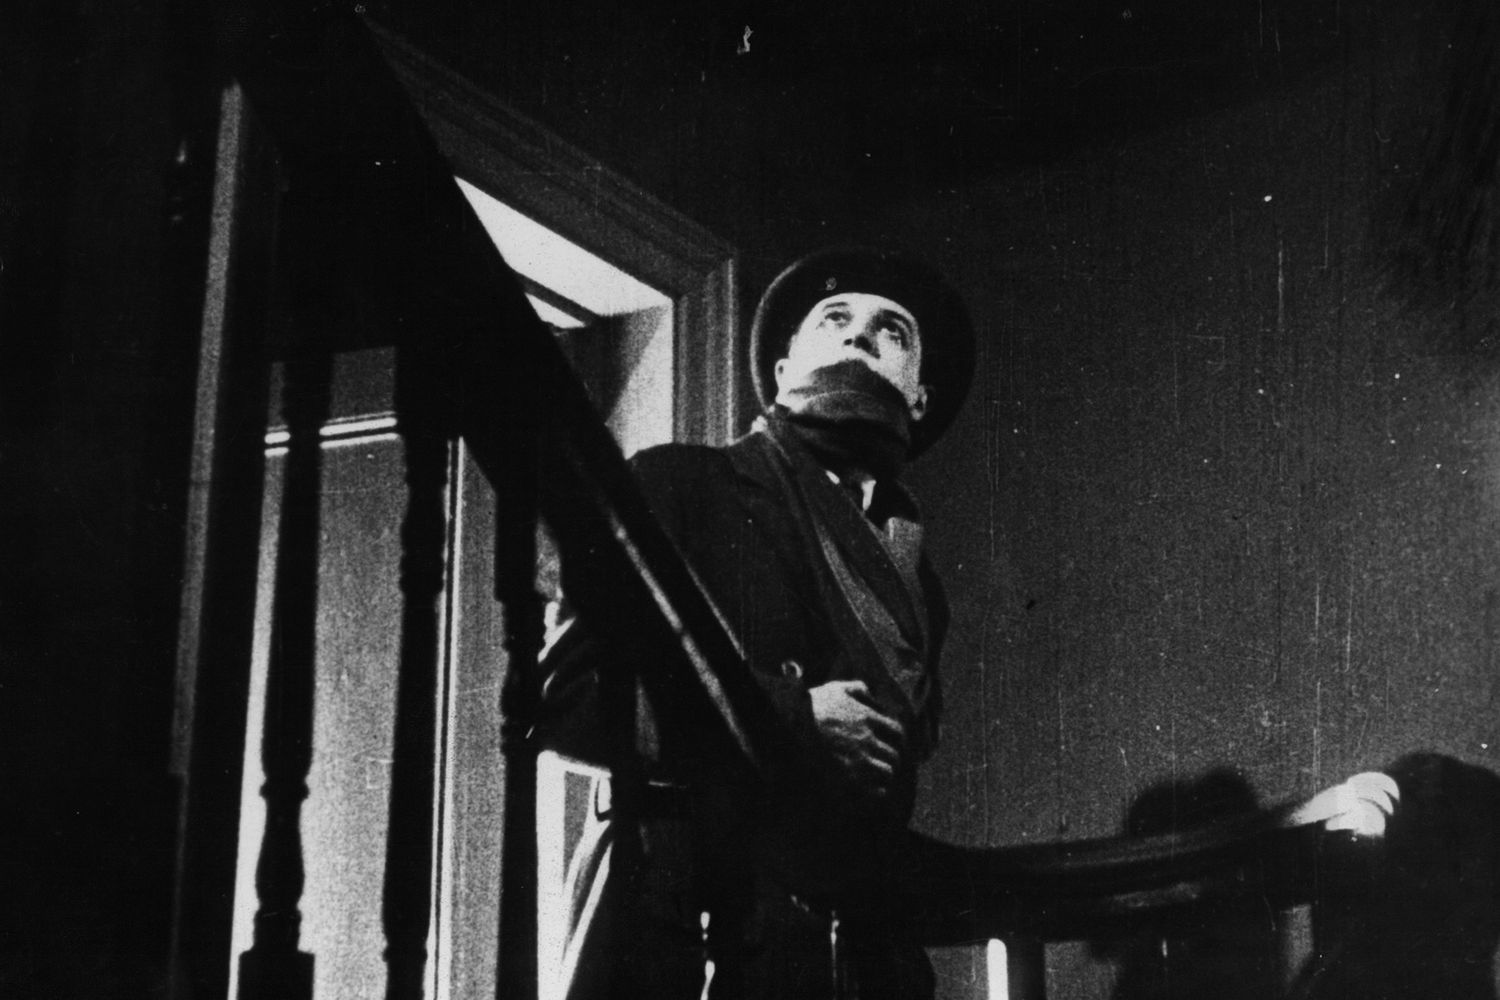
<point x="1068" y="891"/>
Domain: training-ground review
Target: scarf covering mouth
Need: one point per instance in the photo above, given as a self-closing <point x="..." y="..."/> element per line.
<point x="850" y="419"/>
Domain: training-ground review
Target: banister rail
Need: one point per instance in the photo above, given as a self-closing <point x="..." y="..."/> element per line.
<point x="1067" y="891"/>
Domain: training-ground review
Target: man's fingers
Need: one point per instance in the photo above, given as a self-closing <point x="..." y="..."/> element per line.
<point x="885" y="727"/>
<point x="879" y="774"/>
<point x="863" y="707"/>
<point x="868" y="742"/>
<point x="860" y="693"/>
<point x="884" y="751"/>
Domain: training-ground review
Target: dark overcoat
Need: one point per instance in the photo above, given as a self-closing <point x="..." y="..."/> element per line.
<point x="781" y="869"/>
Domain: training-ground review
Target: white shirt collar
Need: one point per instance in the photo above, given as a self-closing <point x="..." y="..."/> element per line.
<point x="866" y="489"/>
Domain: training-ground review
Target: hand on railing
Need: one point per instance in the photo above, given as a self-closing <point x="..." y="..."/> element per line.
<point x="1360" y="805"/>
<point x="1064" y="890"/>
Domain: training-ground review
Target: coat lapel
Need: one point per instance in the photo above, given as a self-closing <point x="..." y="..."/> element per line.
<point x="885" y="562"/>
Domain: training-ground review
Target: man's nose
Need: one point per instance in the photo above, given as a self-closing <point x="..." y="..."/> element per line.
<point x="861" y="338"/>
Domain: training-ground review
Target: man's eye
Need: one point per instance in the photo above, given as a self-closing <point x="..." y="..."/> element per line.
<point x="838" y="317"/>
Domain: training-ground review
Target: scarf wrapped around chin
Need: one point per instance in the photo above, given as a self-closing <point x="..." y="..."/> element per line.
<point x="849" y="418"/>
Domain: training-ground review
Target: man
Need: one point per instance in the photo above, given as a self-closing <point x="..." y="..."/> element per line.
<point x="805" y="539"/>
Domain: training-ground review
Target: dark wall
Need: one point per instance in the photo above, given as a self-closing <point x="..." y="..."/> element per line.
<point x="1219" y="499"/>
<point x="95" y="406"/>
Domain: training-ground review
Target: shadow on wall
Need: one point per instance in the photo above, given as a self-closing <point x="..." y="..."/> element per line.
<point x="1423" y="922"/>
<point x="1224" y="949"/>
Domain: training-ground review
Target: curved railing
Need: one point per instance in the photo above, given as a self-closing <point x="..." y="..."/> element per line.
<point x="1073" y="890"/>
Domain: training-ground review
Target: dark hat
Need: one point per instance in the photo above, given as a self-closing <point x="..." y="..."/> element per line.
<point x="947" y="334"/>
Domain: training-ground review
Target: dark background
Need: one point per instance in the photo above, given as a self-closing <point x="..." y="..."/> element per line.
<point x="1224" y="495"/>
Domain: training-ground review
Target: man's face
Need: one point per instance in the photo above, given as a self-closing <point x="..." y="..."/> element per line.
<point x="859" y="326"/>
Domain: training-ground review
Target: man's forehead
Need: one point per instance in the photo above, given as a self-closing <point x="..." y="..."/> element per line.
<point x="863" y="300"/>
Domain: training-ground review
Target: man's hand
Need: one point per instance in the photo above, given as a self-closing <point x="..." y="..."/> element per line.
<point x="866" y="743"/>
